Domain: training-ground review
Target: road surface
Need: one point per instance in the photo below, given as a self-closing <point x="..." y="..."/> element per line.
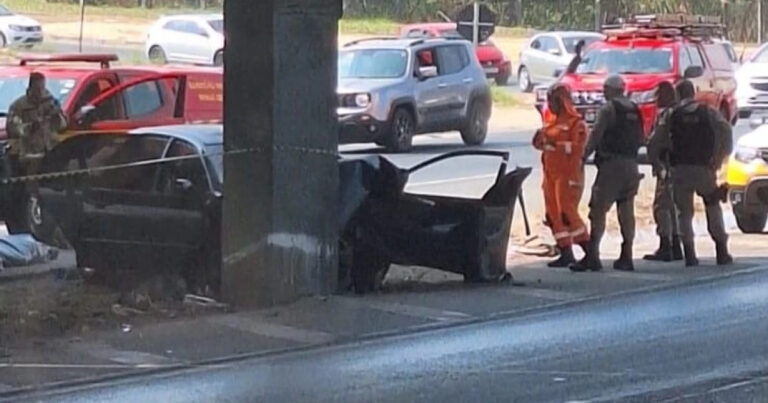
<point x="682" y="344"/>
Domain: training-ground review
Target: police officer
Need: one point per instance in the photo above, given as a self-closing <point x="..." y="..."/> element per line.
<point x="663" y="204"/>
<point x="615" y="139"/>
<point x="32" y="125"/>
<point x="698" y="139"/>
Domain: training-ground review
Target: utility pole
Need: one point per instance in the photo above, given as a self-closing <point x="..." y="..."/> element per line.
<point x="476" y="25"/>
<point x="598" y="16"/>
<point x="82" y="22"/>
<point x="759" y="22"/>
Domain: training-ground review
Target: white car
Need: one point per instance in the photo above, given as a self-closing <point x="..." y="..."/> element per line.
<point x="548" y="54"/>
<point x="752" y="78"/>
<point x="18" y="30"/>
<point x="197" y="39"/>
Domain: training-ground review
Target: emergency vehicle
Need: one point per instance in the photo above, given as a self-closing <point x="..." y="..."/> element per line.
<point x="98" y="97"/>
<point x="647" y="50"/>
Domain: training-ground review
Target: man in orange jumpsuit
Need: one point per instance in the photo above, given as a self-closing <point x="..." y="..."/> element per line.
<point x="562" y="141"/>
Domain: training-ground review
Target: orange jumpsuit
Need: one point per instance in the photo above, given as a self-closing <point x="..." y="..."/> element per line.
<point x="562" y="141"/>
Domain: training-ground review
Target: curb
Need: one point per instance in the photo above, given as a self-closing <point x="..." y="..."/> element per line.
<point x="54" y="388"/>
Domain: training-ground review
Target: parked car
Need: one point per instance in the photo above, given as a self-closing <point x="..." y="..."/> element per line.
<point x="497" y="67"/>
<point x="548" y="54"/>
<point x="167" y="215"/>
<point x="96" y="96"/>
<point x="646" y="53"/>
<point x="18" y="30"/>
<point x="392" y="89"/>
<point x="197" y="39"/>
<point x="747" y="177"/>
<point x="752" y="94"/>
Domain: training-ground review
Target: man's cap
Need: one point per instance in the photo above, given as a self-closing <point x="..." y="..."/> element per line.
<point x="615" y="82"/>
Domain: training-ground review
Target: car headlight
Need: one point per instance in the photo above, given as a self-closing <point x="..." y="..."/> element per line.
<point x="643" y="97"/>
<point x="13" y="27"/>
<point x="362" y="100"/>
<point x="746" y="154"/>
<point x="541" y="95"/>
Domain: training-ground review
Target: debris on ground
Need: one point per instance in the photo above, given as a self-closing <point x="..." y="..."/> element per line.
<point x="203" y="302"/>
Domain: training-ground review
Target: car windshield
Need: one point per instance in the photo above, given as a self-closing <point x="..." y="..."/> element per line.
<point x="451" y="33"/>
<point x="761" y="56"/>
<point x="571" y="42"/>
<point x="12" y="88"/>
<point x="626" y="61"/>
<point x="217" y="25"/>
<point x="4" y="11"/>
<point x="372" y="63"/>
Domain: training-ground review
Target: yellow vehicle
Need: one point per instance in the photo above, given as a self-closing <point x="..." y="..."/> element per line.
<point x="747" y="176"/>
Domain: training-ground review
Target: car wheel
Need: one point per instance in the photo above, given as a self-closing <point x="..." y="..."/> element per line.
<point x="157" y="55"/>
<point x="402" y="129"/>
<point x="476" y="127"/>
<point x="502" y="80"/>
<point x="218" y="59"/>
<point x="524" y="80"/>
<point x="3" y="41"/>
<point x="18" y="220"/>
<point x="751" y="223"/>
<point x="41" y="229"/>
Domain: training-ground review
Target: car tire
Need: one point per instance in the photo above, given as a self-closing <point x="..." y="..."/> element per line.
<point x="475" y="129"/>
<point x="157" y="55"/>
<point x="524" y="79"/>
<point x="18" y="220"/>
<point x="502" y="80"/>
<point x="401" y="131"/>
<point x="3" y="41"/>
<point x="218" y="58"/>
<point x="751" y="223"/>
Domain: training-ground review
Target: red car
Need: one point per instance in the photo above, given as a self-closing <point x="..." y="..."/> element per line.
<point x="96" y="96"/>
<point x="491" y="58"/>
<point x="646" y="53"/>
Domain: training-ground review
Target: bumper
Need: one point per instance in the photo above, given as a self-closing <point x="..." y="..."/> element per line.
<point x="25" y="38"/>
<point x="361" y="128"/>
<point x="498" y="69"/>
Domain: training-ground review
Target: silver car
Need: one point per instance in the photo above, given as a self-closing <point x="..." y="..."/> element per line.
<point x="392" y="89"/>
<point x="548" y="54"/>
<point x="752" y="78"/>
<point x="197" y="39"/>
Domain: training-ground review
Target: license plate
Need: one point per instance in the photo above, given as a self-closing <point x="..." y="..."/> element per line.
<point x="491" y="70"/>
<point x="590" y="116"/>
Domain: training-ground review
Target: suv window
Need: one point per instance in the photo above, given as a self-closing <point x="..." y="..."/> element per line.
<point x="142" y="99"/>
<point x="718" y="57"/>
<point x="105" y="110"/>
<point x="696" y="59"/>
<point x="106" y="151"/>
<point x="451" y="59"/>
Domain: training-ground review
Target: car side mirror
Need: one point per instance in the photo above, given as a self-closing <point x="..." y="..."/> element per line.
<point x="183" y="185"/>
<point x="693" y="72"/>
<point x="82" y="117"/>
<point x="427" y="72"/>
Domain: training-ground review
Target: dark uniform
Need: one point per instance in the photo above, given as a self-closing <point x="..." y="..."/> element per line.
<point x="698" y="139"/>
<point x="616" y="139"/>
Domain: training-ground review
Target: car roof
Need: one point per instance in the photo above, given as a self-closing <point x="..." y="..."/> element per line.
<point x="204" y="16"/>
<point x="199" y="135"/>
<point x="399" y="43"/>
<point x="430" y="25"/>
<point x="572" y="34"/>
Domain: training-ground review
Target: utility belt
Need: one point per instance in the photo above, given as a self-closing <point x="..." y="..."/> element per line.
<point x="603" y="157"/>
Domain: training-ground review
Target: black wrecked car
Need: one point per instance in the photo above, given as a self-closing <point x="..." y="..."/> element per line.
<point x="152" y="200"/>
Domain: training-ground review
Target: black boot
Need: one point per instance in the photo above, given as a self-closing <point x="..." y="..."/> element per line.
<point x="723" y="257"/>
<point x="664" y="253"/>
<point x="677" y="249"/>
<point x="690" y="255"/>
<point x="625" y="260"/>
<point x="566" y="258"/>
<point x="590" y="262"/>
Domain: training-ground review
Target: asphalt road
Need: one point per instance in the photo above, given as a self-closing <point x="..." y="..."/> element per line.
<point x="694" y="343"/>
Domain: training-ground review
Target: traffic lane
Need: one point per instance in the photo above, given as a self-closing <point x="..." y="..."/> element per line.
<point x="658" y="345"/>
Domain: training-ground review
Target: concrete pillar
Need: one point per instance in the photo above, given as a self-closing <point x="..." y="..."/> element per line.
<point x="279" y="237"/>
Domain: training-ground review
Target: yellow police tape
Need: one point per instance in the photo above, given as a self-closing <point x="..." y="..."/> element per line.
<point x="87" y="171"/>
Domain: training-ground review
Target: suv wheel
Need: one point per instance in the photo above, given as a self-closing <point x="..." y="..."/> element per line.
<point x="401" y="131"/>
<point x="218" y="59"/>
<point x="524" y="79"/>
<point x="476" y="127"/>
<point x="751" y="223"/>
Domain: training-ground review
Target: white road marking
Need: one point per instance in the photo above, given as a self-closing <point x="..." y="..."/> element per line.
<point x="125" y="357"/>
<point x="260" y="326"/>
<point x="414" y="311"/>
<point x="633" y="275"/>
<point x="543" y="293"/>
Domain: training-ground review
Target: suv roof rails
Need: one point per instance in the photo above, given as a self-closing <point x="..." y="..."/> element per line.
<point x="373" y="38"/>
<point x="667" y="26"/>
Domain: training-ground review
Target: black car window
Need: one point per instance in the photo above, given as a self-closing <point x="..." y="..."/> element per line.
<point x="117" y="151"/>
<point x="142" y="99"/>
<point x="536" y="44"/>
<point x="450" y="59"/>
<point x="184" y="164"/>
<point x="107" y="109"/>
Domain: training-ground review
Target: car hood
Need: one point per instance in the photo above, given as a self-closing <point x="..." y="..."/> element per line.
<point x="753" y="70"/>
<point x="634" y="82"/>
<point x="18" y="20"/>
<point x="354" y="85"/>
<point x="757" y="138"/>
<point x="488" y="52"/>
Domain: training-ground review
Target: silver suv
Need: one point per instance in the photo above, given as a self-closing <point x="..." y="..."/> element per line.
<point x="392" y="89"/>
